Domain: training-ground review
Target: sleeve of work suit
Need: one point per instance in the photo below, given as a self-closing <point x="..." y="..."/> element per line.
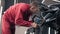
<point x="19" y="17"/>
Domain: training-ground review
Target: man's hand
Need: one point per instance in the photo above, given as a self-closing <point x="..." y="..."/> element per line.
<point x="34" y="25"/>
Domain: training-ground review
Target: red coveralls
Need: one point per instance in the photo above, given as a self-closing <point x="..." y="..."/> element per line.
<point x="15" y="15"/>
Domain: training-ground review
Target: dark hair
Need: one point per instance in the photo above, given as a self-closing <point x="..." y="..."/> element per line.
<point x="35" y="3"/>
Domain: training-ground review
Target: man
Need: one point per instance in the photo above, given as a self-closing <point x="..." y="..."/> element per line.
<point x="18" y="15"/>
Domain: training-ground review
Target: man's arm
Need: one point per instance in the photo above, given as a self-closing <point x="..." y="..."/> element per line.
<point x="19" y="20"/>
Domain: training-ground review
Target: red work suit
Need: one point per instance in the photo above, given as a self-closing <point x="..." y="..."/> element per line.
<point x="17" y="14"/>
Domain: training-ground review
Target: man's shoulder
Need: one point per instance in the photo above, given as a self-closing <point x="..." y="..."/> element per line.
<point x="24" y="6"/>
<point x="21" y="4"/>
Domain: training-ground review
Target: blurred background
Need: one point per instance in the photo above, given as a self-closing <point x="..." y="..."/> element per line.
<point x="4" y="4"/>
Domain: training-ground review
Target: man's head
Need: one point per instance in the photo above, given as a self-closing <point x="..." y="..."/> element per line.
<point x="34" y="7"/>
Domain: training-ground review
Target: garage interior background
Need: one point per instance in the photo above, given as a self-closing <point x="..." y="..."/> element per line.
<point x="19" y="29"/>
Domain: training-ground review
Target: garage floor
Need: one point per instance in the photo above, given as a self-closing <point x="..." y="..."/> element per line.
<point x="21" y="30"/>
